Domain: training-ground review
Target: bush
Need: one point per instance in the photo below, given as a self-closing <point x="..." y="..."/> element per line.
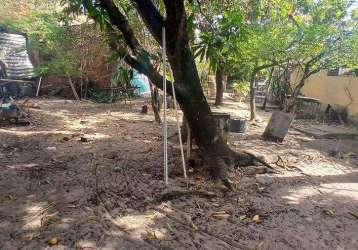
<point x="241" y="88"/>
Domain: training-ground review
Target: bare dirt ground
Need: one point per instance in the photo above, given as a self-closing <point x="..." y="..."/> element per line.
<point x="85" y="176"/>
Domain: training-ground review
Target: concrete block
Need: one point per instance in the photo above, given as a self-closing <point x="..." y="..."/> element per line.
<point x="278" y="126"/>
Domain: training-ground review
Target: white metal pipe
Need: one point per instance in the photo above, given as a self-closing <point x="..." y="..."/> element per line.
<point x="165" y="125"/>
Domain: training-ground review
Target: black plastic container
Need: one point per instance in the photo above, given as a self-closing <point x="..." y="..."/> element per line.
<point x="237" y="125"/>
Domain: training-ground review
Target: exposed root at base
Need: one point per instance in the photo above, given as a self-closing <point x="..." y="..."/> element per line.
<point x="258" y="159"/>
<point x="175" y="194"/>
<point x="247" y="159"/>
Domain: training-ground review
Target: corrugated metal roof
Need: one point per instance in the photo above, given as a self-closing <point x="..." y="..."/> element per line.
<point x="14" y="53"/>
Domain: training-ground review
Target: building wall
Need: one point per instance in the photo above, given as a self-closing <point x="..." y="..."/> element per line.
<point x="332" y="90"/>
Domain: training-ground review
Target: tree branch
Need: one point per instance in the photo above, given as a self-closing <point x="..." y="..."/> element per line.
<point x="268" y="65"/>
<point x="140" y="61"/>
<point x="154" y="76"/>
<point x="175" y="24"/>
<point x="119" y="20"/>
<point x="151" y="16"/>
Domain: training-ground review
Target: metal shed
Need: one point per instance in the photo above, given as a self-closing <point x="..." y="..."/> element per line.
<point x="13" y="52"/>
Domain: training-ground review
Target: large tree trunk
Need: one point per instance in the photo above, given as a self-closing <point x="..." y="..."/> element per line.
<point x="155" y="103"/>
<point x="290" y="104"/>
<point x="267" y="89"/>
<point x="197" y="111"/>
<point x="252" y="96"/>
<point x="219" y="79"/>
<point x="285" y="88"/>
<point x="191" y="97"/>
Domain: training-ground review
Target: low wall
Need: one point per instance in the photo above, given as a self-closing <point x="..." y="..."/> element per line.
<point x="335" y="90"/>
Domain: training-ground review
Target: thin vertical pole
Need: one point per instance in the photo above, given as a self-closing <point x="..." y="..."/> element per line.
<point x="179" y="131"/>
<point x="188" y="140"/>
<point x="39" y="86"/>
<point x="165" y="127"/>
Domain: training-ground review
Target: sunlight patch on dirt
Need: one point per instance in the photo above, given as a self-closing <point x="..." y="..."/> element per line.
<point x="296" y="196"/>
<point x="326" y="168"/>
<point x="348" y="189"/>
<point x="142" y="224"/>
<point x="33" y="219"/>
<point x="22" y="166"/>
<point x="86" y="244"/>
<point x="29" y="133"/>
<point x="97" y="136"/>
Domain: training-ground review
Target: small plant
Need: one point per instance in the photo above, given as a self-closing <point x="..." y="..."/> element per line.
<point x="121" y="88"/>
<point x="241" y="88"/>
<point x="99" y="96"/>
<point x="122" y="77"/>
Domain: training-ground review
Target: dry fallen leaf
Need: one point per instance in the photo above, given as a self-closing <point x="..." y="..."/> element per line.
<point x="355" y="215"/>
<point x="242" y="217"/>
<point x="32" y="236"/>
<point x="10" y="197"/>
<point x="256" y="219"/>
<point x="53" y="241"/>
<point x="151" y="235"/>
<point x="328" y="212"/>
<point x="221" y="214"/>
<point x="259" y="246"/>
<point x="49" y="219"/>
<point x="169" y="227"/>
<point x="195" y="227"/>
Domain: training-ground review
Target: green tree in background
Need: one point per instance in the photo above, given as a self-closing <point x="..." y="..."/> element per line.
<point x="46" y="27"/>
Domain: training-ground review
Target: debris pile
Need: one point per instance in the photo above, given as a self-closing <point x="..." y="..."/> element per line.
<point x="11" y="112"/>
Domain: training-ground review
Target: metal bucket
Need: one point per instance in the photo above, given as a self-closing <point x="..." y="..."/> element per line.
<point x="237" y="125"/>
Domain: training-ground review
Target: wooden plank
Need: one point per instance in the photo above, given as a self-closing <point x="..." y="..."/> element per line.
<point x="13" y="80"/>
<point x="73" y="88"/>
<point x="39" y="86"/>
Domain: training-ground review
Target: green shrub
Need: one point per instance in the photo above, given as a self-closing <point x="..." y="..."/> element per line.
<point x="241" y="88"/>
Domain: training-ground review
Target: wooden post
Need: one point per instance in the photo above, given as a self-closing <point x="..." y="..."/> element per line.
<point x="81" y="89"/>
<point x="188" y="139"/>
<point x="165" y="128"/>
<point x="86" y="87"/>
<point x="73" y="88"/>
<point x="39" y="86"/>
<point x="154" y="103"/>
<point x="179" y="131"/>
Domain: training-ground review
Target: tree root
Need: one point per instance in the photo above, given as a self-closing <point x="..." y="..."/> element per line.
<point x="246" y="159"/>
<point x="201" y="230"/>
<point x="112" y="219"/>
<point x="175" y="194"/>
<point x="261" y="160"/>
<point x="221" y="160"/>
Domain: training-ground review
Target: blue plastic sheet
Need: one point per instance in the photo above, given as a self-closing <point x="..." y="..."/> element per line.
<point x="141" y="82"/>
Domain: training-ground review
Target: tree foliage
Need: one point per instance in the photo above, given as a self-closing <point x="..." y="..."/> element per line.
<point x="47" y="30"/>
